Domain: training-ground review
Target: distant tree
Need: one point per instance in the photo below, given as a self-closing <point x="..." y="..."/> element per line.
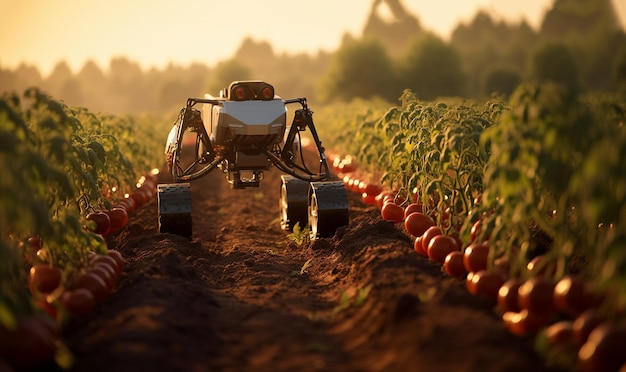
<point x="591" y="29"/>
<point x="619" y="70"/>
<point x="126" y="86"/>
<point x="359" y="69"/>
<point x="27" y="76"/>
<point x="501" y="80"/>
<point x="396" y="33"/>
<point x="555" y="62"/>
<point x="484" y="45"/>
<point x="60" y="75"/>
<point x="431" y="68"/>
<point x="225" y="73"/>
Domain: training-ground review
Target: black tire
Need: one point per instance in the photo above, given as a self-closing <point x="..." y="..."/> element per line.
<point x="174" y="203"/>
<point x="327" y="208"/>
<point x="293" y="202"/>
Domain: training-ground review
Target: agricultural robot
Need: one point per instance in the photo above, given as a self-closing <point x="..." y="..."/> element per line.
<point x="244" y="133"/>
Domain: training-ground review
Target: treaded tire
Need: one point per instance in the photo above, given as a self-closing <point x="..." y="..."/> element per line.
<point x="293" y="202"/>
<point x="327" y="208"/>
<point x="174" y="203"/>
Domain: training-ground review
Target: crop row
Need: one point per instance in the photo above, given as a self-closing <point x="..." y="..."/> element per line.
<point x="70" y="178"/>
<point x="523" y="198"/>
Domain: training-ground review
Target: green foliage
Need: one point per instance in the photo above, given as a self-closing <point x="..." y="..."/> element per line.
<point x="432" y="68"/>
<point x="359" y="69"/>
<point x="554" y="62"/>
<point x="225" y="73"/>
<point x="60" y="163"/>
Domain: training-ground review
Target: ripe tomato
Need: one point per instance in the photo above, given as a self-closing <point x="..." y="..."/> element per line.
<point x="417" y="223"/>
<point x="119" y="218"/>
<point x="29" y="345"/>
<point x="368" y="199"/>
<point x="413" y="207"/>
<point x="119" y="259"/>
<point x="371" y="189"/>
<point x="507" y="295"/>
<point x="487" y="284"/>
<point x="475" y="257"/>
<point x="79" y="302"/>
<point x="440" y="246"/>
<point x="523" y="322"/>
<point x="94" y="284"/>
<point x="453" y="264"/>
<point x="430" y="233"/>
<point x="105" y="273"/>
<point x="604" y="349"/>
<point x="44" y="278"/>
<point x="474" y="231"/>
<point x="535" y="294"/>
<point x="380" y="198"/>
<point x="106" y="260"/>
<point x="418" y="247"/>
<point x="559" y="332"/>
<point x="540" y="265"/>
<point x="392" y="212"/>
<point x="572" y="296"/>
<point x="101" y="221"/>
<point x="584" y="324"/>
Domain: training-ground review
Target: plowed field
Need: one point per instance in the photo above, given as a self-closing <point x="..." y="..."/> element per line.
<point x="242" y="296"/>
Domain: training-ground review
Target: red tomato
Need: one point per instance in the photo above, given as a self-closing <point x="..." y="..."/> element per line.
<point x="474" y="231"/>
<point x="102" y="222"/>
<point x="413" y="207"/>
<point x="94" y="284"/>
<point x="79" y="302"/>
<point x="119" y="218"/>
<point x="535" y="294"/>
<point x="119" y="259"/>
<point x="105" y="273"/>
<point x="418" y="247"/>
<point x="29" y="345"/>
<point x="372" y="189"/>
<point x="572" y="296"/>
<point x="487" y="284"/>
<point x="475" y="257"/>
<point x="604" y="349"/>
<point x="439" y="248"/>
<point x="429" y="234"/>
<point x="540" y="265"/>
<point x="35" y="243"/>
<point x="453" y="264"/>
<point x="392" y="212"/>
<point x="523" y="323"/>
<point x="417" y="223"/>
<point x="559" y="332"/>
<point x="44" y="278"/>
<point x="584" y="324"/>
<point x="380" y="198"/>
<point x="368" y="199"/>
<point x="107" y="260"/>
<point x="508" y="294"/>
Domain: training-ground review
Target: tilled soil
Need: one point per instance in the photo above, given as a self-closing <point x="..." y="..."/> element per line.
<point x="242" y="296"/>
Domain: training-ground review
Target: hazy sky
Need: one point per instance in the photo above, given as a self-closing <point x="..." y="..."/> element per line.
<point x="157" y="32"/>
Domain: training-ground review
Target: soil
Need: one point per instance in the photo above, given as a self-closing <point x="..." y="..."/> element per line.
<point x="242" y="296"/>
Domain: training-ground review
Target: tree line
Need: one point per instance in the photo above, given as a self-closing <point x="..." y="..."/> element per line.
<point x="580" y="43"/>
